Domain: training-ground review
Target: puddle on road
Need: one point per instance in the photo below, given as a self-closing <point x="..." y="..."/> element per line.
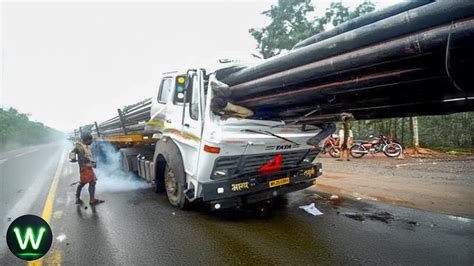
<point x="355" y="216"/>
<point x="381" y="216"/>
<point x="383" y="199"/>
<point x="461" y="219"/>
<point x="336" y="202"/>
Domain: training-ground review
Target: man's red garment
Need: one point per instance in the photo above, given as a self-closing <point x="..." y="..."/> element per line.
<point x="87" y="174"/>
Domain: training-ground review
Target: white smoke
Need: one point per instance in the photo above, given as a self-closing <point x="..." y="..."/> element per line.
<point x="110" y="175"/>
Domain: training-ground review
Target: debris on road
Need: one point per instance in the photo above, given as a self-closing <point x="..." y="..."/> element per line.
<point x="355" y="216"/>
<point x="334" y="197"/>
<point x="61" y="237"/>
<point x="413" y="223"/>
<point x="382" y="216"/>
<point x="336" y="200"/>
<point x="311" y="209"/>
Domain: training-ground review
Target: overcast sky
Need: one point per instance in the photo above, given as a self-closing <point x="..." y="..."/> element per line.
<point x="72" y="63"/>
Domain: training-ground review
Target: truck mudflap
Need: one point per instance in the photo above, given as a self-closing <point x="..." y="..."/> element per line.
<point x="246" y="190"/>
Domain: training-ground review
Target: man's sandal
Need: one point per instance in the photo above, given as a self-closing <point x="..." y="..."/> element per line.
<point x="96" y="201"/>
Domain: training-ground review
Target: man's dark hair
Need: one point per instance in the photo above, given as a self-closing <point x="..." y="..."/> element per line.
<point x="86" y="136"/>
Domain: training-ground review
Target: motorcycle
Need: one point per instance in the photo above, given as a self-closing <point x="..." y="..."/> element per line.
<point x="390" y="147"/>
<point x="330" y="146"/>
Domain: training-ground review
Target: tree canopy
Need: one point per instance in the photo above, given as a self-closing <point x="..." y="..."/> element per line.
<point x="16" y="129"/>
<point x="291" y="23"/>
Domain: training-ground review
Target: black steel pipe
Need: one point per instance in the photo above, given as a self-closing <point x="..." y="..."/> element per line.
<point x="410" y="93"/>
<point x="409" y="46"/>
<point x="363" y="20"/>
<point x="405" y="109"/>
<point x="299" y="96"/>
<point x="426" y="16"/>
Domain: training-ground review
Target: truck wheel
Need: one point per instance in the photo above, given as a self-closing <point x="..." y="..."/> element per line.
<point x="174" y="190"/>
<point x="159" y="184"/>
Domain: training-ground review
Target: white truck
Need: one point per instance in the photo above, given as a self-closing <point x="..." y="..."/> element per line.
<point x="194" y="155"/>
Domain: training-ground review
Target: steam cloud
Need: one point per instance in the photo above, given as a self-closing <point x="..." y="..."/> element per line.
<point x="110" y="176"/>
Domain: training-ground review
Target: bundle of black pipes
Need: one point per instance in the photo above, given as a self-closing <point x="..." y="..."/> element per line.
<point x="411" y="59"/>
<point x="129" y="120"/>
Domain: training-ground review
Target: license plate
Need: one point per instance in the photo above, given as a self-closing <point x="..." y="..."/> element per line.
<point x="279" y="182"/>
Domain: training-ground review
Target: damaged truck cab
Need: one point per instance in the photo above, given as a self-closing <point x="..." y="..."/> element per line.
<point x="195" y="155"/>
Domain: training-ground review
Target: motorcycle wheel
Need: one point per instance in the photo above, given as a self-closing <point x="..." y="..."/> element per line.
<point x="334" y="152"/>
<point x="356" y="151"/>
<point x="392" y="150"/>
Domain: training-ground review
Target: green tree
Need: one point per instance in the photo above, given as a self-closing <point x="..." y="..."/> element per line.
<point x="337" y="13"/>
<point x="290" y="23"/>
<point x="17" y="130"/>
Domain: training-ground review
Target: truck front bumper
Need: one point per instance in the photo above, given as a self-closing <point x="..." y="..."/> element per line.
<point x="236" y="192"/>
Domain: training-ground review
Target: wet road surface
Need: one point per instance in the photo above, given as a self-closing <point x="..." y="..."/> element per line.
<point x="135" y="226"/>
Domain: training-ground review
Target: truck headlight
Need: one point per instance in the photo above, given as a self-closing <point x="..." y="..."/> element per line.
<point x="220" y="173"/>
<point x="309" y="158"/>
<point x="225" y="167"/>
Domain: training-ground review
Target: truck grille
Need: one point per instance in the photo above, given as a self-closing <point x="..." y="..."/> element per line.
<point x="249" y="164"/>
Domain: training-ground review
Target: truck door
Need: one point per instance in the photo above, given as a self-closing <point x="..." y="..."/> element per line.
<point x="191" y="122"/>
<point x="192" y="119"/>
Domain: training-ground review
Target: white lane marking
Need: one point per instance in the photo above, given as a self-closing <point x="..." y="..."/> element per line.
<point x="24" y="204"/>
<point x="3" y="160"/>
<point x="25" y="153"/>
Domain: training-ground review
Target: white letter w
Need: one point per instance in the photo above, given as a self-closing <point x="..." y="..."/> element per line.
<point x="29" y="237"/>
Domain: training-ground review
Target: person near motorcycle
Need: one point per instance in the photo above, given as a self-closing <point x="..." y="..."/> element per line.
<point x="345" y="138"/>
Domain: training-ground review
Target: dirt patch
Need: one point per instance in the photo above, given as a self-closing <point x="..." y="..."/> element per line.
<point x="422" y="152"/>
<point x="440" y="184"/>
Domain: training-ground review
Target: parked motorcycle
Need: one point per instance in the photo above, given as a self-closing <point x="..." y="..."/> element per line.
<point x="385" y="144"/>
<point x="330" y="146"/>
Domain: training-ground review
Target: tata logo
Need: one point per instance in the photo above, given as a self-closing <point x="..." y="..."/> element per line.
<point x="283" y="147"/>
<point x="29" y="237"/>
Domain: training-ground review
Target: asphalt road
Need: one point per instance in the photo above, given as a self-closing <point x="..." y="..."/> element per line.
<point x="135" y="226"/>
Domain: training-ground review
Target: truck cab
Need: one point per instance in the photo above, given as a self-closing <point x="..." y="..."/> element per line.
<point x="199" y="156"/>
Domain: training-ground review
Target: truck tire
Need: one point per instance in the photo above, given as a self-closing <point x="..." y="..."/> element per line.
<point x="159" y="184"/>
<point x="174" y="190"/>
